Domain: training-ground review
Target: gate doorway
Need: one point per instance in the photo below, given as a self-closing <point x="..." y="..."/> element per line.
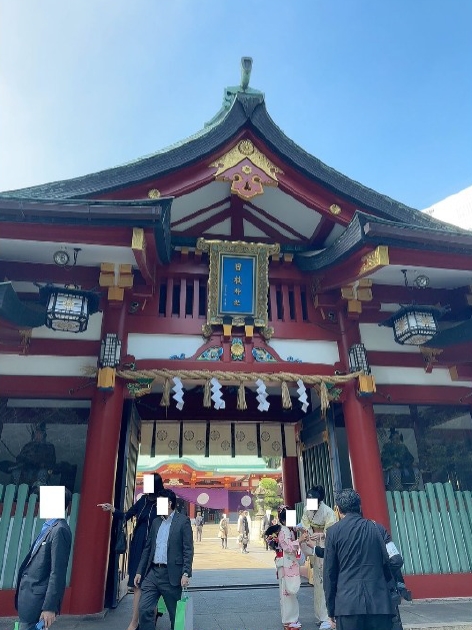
<point x="214" y="460"/>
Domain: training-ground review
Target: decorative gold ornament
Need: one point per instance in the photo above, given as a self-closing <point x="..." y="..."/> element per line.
<point x="247" y="169"/>
<point x="237" y="349"/>
<point x="376" y="258"/>
<point x="267" y="333"/>
<point x="335" y="209"/>
<point x="207" y="331"/>
<point x="430" y="357"/>
<point x="154" y="193"/>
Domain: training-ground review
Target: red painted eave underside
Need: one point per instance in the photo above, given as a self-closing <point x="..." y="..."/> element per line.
<point x="117" y="236"/>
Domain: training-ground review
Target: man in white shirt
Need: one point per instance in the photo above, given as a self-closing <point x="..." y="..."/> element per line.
<point x="166" y="563"/>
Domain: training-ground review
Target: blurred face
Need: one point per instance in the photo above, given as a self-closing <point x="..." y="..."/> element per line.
<point x="38" y="436"/>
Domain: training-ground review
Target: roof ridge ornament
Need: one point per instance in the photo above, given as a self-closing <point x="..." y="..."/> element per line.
<point x="241" y="92"/>
<point x="246" y="69"/>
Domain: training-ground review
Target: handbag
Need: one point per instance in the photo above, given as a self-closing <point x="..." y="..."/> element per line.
<point x="184" y="612"/>
<point x="121" y="543"/>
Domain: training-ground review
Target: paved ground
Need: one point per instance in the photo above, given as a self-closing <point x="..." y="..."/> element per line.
<point x="234" y="591"/>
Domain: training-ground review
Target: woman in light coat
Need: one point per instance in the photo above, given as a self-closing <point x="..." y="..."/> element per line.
<point x="223" y="531"/>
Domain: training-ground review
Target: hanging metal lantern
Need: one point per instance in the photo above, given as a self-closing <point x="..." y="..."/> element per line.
<point x="414" y="325"/>
<point x="358" y="359"/>
<point x="68" y="309"/>
<point x="110" y="351"/>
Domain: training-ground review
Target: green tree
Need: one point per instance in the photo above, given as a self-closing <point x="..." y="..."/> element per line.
<point x="273" y="462"/>
<point x="270" y="491"/>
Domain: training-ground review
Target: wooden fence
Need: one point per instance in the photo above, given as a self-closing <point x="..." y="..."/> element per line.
<point x="19" y="526"/>
<point x="432" y="529"/>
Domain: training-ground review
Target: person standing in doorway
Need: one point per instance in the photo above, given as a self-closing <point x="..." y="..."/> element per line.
<point x="166" y="564"/>
<point x="223" y="531"/>
<point x="316" y="522"/>
<point x="264" y="525"/>
<point x="356" y="570"/>
<point x="144" y="511"/>
<point x="42" y="574"/>
<point x="243" y="531"/>
<point x="199" y="526"/>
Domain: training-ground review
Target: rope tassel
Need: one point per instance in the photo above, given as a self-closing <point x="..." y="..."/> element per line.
<point x="165" y="400"/>
<point x="286" y="400"/>
<point x="207" y="394"/>
<point x="241" y="403"/>
<point x="324" y="398"/>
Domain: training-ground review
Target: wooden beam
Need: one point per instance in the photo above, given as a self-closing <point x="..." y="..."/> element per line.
<point x="74" y="234"/>
<point x="139" y="247"/>
<point x="85" y="277"/>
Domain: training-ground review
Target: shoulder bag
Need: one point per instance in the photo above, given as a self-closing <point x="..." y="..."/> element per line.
<point x="121" y="543"/>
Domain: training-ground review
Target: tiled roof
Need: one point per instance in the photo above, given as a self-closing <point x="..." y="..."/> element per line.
<point x="247" y="110"/>
<point x="361" y="230"/>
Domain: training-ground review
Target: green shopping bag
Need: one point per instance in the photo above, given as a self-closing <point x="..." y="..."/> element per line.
<point x="161" y="606"/>
<point x="16" y="626"/>
<point x="184" y="612"/>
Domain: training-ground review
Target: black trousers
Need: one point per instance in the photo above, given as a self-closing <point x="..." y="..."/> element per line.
<point x="155" y="584"/>
<point x="364" y="622"/>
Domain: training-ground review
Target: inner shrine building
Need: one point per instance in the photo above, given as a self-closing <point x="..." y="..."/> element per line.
<point x="233" y="295"/>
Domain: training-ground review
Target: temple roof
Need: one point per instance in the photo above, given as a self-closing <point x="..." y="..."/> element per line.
<point x="241" y="110"/>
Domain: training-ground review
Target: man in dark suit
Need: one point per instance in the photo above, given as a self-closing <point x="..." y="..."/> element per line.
<point x="42" y="574"/>
<point x="166" y="563"/>
<point x="355" y="571"/>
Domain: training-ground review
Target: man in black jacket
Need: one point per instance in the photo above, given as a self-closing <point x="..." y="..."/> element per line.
<point x="42" y="574"/>
<point x="355" y="571"/>
<point x="166" y="563"/>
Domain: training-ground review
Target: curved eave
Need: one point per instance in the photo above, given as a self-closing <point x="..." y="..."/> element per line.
<point x="18" y="313"/>
<point x="247" y="110"/>
<point x="367" y="230"/>
<point x="149" y="213"/>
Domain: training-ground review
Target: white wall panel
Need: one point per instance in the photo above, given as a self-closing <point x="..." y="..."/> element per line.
<point x="93" y="332"/>
<point x="380" y="338"/>
<point x="414" y="376"/>
<point x="308" y="351"/>
<point x="162" y="346"/>
<point x="21" y="365"/>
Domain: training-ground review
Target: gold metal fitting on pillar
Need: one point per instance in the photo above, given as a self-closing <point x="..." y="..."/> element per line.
<point x="249" y="327"/>
<point x="106" y="379"/>
<point x="227" y="327"/>
<point x="366" y="385"/>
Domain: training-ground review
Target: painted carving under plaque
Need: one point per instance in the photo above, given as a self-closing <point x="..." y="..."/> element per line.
<point x="237" y="349"/>
<point x="238" y="282"/>
<point x="261" y="355"/>
<point x="211" y="354"/>
<point x="247" y="169"/>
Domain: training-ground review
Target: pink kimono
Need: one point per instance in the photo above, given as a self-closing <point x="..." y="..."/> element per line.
<point x="288" y="573"/>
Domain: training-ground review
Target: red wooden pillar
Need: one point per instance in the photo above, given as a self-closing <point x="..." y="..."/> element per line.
<point x="364" y="453"/>
<point x="92" y="539"/>
<point x="291" y="481"/>
<point x="191" y="510"/>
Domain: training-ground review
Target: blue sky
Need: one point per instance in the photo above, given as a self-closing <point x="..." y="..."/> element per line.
<point x="380" y="90"/>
